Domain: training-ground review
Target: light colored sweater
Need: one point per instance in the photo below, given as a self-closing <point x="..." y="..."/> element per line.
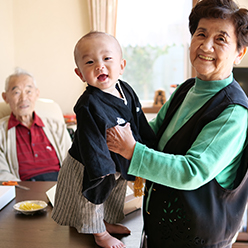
<point x="55" y="131"/>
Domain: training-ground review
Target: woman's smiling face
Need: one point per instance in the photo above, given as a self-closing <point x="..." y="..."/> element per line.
<point x="213" y="49"/>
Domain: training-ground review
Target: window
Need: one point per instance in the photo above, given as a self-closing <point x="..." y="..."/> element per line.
<point x="155" y="40"/>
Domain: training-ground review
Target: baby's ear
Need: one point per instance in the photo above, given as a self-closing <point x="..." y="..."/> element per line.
<point x="123" y="65"/>
<point x="77" y="71"/>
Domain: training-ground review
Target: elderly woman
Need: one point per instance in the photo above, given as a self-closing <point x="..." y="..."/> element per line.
<point x="196" y="188"/>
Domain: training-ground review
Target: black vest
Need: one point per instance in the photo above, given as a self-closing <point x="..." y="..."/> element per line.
<point x="209" y="216"/>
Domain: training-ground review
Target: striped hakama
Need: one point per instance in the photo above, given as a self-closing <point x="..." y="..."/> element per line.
<point x="71" y="208"/>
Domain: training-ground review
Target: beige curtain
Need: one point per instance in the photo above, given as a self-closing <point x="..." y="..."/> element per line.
<point x="103" y="15"/>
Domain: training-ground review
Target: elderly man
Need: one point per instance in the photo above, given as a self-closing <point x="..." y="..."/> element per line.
<point x="31" y="148"/>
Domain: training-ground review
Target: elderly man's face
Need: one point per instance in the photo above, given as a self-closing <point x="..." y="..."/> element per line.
<point x="21" y="96"/>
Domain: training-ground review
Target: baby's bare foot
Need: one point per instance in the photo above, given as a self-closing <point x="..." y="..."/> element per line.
<point x="105" y="240"/>
<point x="116" y="228"/>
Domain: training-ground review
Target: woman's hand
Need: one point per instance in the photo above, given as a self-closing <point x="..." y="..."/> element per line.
<point x="120" y="140"/>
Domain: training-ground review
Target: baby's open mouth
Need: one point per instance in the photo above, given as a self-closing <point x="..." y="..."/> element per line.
<point x="102" y="77"/>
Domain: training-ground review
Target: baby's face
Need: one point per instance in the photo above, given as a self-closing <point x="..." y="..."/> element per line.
<point x="99" y="62"/>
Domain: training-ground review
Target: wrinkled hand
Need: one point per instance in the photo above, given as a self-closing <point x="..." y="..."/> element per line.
<point x="120" y="140"/>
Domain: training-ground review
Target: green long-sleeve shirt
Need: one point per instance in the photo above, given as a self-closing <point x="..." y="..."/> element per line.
<point x="215" y="153"/>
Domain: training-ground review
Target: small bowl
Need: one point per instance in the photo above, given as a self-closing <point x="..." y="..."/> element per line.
<point x="33" y="211"/>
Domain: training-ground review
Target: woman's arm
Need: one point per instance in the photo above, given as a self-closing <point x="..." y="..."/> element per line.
<point x="216" y="147"/>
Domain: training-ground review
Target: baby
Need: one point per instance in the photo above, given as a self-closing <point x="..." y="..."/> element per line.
<point x="92" y="182"/>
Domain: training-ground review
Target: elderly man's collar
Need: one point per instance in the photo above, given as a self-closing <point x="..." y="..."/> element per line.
<point x="13" y="122"/>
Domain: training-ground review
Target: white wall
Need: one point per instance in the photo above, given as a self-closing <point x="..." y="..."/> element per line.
<point x="39" y="36"/>
<point x="6" y="40"/>
<point x="244" y="62"/>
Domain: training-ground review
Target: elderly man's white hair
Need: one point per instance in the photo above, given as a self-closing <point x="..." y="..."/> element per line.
<point x="18" y="72"/>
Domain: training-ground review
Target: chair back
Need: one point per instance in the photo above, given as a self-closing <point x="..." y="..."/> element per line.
<point x="43" y="107"/>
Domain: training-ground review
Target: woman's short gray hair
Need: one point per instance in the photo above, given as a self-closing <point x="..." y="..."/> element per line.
<point x="18" y="72"/>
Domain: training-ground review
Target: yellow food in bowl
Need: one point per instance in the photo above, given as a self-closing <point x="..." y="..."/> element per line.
<point x="29" y="206"/>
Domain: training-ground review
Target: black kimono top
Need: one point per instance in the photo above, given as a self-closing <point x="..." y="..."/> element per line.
<point x="96" y="111"/>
